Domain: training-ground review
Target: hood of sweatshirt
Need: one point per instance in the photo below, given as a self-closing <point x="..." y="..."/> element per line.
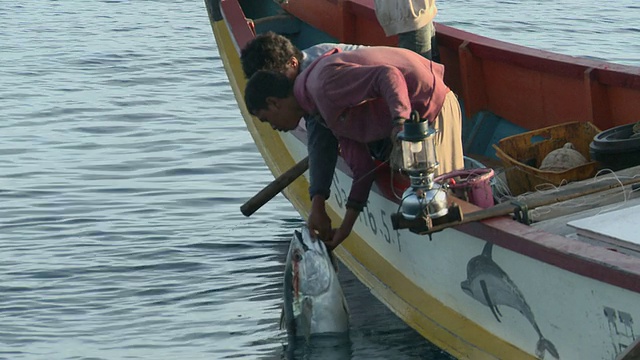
<point x="300" y="90"/>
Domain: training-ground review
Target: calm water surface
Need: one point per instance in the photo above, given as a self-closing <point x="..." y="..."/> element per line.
<point x="123" y="163"/>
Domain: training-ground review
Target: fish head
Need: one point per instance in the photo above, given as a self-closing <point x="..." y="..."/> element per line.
<point x="466" y="287"/>
<point x="311" y="264"/>
<point x="314" y="300"/>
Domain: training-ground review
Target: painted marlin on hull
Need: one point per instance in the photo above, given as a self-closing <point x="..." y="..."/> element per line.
<point x="490" y="285"/>
<point x="314" y="302"/>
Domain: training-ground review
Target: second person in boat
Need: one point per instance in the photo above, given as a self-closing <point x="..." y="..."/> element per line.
<point x="362" y="97"/>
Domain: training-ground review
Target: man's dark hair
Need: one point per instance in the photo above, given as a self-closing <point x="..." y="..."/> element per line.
<point x="264" y="84"/>
<point x="268" y="51"/>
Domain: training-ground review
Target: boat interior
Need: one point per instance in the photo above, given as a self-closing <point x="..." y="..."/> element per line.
<point x="515" y="148"/>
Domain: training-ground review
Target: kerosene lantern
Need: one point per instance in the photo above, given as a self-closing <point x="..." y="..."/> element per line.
<point x="424" y="200"/>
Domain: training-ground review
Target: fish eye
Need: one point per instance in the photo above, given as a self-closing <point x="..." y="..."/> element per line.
<point x="297" y="256"/>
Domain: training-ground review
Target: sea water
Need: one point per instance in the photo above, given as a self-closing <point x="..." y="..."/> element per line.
<point x="124" y="161"/>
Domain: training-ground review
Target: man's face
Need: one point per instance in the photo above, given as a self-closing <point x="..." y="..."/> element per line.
<point x="281" y="114"/>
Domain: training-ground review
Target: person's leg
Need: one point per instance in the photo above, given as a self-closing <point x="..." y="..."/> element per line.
<point x="422" y="41"/>
<point x="380" y="149"/>
<point x="449" y="136"/>
<point x="435" y="52"/>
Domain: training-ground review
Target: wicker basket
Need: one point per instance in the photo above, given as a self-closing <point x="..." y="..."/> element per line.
<point x="522" y="154"/>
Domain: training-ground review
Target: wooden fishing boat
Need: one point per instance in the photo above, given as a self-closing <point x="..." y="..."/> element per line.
<point x="550" y="273"/>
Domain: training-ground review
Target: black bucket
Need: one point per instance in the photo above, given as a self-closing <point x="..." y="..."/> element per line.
<point x="615" y="148"/>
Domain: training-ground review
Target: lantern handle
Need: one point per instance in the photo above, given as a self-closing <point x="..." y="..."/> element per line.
<point x="414" y="117"/>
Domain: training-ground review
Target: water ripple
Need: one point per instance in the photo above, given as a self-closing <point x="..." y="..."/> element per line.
<point x="124" y="161"/>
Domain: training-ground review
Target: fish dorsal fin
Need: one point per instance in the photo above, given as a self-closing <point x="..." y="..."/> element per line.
<point x="282" y="320"/>
<point x="486" y="251"/>
<point x="298" y="234"/>
<point x="345" y="305"/>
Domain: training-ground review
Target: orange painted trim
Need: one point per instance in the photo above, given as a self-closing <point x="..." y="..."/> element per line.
<point x="320" y="14"/>
<point x="472" y="78"/>
<point x="557" y="88"/>
<point x="237" y="22"/>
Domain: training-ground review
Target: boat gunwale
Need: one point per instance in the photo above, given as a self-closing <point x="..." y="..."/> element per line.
<point x="609" y="73"/>
<point x="576" y="256"/>
<point x="538" y="59"/>
<point x="596" y="262"/>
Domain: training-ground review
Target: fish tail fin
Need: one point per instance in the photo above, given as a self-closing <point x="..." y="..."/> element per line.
<point x="544" y="346"/>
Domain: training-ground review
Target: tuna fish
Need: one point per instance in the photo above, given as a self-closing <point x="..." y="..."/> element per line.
<point x="314" y="302"/>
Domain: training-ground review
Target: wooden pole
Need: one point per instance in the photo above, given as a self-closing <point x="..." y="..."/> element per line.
<point x="277" y="185"/>
<point x="507" y="208"/>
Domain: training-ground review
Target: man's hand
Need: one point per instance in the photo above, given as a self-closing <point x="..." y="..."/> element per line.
<point x="337" y="237"/>
<point x="395" y="158"/>
<point x="319" y="222"/>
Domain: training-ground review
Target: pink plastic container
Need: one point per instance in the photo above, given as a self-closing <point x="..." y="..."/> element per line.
<point x="473" y="185"/>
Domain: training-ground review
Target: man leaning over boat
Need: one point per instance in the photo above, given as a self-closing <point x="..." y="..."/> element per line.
<point x="270" y="51"/>
<point x="362" y="98"/>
